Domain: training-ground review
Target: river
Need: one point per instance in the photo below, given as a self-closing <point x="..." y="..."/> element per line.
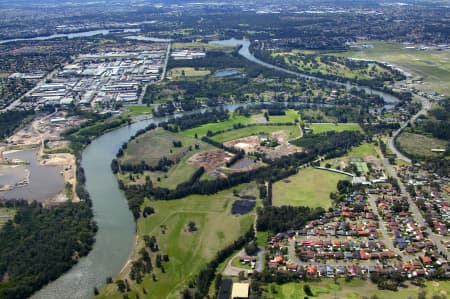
<point x="70" y="35"/>
<point x="116" y="227"/>
<point x="390" y="100"/>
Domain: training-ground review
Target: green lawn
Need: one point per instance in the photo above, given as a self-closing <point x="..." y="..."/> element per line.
<point x="5" y="215"/>
<point x="362" y="151"/>
<point x="327" y="289"/>
<point x="219" y="126"/>
<point x="136" y="110"/>
<point x="325" y="127"/>
<point x="293" y="132"/>
<point x="188" y="251"/>
<point x="310" y="187"/>
<point x="432" y="66"/>
<point x="419" y="145"/>
<point x="199" y="45"/>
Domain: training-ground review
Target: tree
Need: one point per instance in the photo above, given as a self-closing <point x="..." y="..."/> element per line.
<point x="251" y="248"/>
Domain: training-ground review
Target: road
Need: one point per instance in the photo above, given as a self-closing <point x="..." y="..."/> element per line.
<point x="415" y="210"/>
<point x="426" y="105"/>
<point x="163" y="75"/>
<point x="387" y="240"/>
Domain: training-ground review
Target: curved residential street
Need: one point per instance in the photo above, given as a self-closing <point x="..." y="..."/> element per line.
<point x="426" y="105"/>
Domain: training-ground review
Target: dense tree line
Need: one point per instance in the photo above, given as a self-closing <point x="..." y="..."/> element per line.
<point x="190" y="121"/>
<point x="12" y="120"/>
<point x="42" y="243"/>
<point x="280" y="219"/>
<point x="163" y="164"/>
<point x="326" y="142"/>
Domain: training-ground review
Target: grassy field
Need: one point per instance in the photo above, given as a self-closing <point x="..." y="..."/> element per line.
<point x="419" y="145"/>
<point x="290" y="117"/>
<point x="5" y="215"/>
<point x="327" y="289"/>
<point x="363" y="151"/>
<point x="188" y="251"/>
<point x="325" y="127"/>
<point x="199" y="45"/>
<point x="432" y="66"/>
<point x="219" y="126"/>
<point x="293" y="131"/>
<point x="136" y="110"/>
<point x="187" y="72"/>
<point x="153" y="145"/>
<point x="310" y="187"/>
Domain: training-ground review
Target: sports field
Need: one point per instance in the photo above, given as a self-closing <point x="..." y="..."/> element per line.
<point x="310" y="187"/>
<point x="188" y="251"/>
<point x="136" y="110"/>
<point x="219" y="126"/>
<point x="325" y="127"/>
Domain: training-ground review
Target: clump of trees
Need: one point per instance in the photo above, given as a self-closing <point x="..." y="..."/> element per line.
<point x="12" y="120"/>
<point x="280" y="219"/>
<point x="42" y="243"/>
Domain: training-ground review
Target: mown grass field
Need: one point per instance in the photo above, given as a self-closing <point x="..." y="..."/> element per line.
<point x="219" y="126"/>
<point x="327" y="289"/>
<point x="310" y="187"/>
<point x="419" y="145"/>
<point x="187" y="72"/>
<point x="293" y="132"/>
<point x="188" y="251"/>
<point x="432" y="66"/>
<point x="325" y="127"/>
<point x="199" y="45"/>
<point x="136" y="110"/>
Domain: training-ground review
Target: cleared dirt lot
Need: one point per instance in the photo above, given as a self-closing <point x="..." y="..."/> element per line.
<point x="252" y="144"/>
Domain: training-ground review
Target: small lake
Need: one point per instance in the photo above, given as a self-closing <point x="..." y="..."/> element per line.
<point x="45" y="181"/>
<point x="226" y="73"/>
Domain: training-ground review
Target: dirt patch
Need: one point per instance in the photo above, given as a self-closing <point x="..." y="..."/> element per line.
<point x="252" y="144"/>
<point x="260" y="120"/>
<point x="282" y="136"/>
<point x="57" y="144"/>
<point x="211" y="160"/>
<point x="248" y="144"/>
